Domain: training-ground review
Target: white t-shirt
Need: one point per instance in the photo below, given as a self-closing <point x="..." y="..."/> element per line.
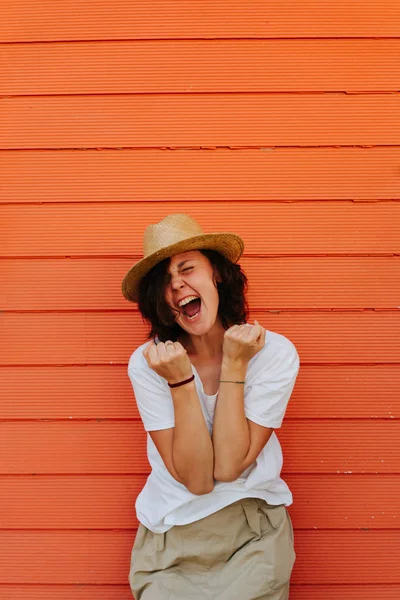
<point x="270" y="378"/>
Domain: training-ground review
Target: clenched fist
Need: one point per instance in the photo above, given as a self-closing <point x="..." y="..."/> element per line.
<point x="242" y="342"/>
<point x="169" y="360"/>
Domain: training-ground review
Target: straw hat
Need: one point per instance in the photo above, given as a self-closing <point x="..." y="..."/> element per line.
<point x="174" y="234"/>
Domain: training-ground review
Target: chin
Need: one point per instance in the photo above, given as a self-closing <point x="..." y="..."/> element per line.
<point x="198" y="329"/>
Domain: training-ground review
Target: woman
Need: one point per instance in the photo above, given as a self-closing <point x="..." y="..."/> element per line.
<point x="210" y="389"/>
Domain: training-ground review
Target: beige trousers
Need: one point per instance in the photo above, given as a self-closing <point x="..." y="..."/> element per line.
<point x="244" y="551"/>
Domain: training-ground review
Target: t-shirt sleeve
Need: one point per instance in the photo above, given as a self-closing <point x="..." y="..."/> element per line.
<point x="153" y="399"/>
<point x="267" y="396"/>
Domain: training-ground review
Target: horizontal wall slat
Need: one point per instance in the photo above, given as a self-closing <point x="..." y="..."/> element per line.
<point x="103" y="557"/>
<point x="346" y="557"/>
<point x="118" y="447"/>
<point x="191" y="66"/>
<point x="27" y="20"/>
<point x="274" y="283"/>
<point x="343" y="592"/>
<point x="266" y="228"/>
<point x="268" y="174"/>
<point x="78" y="592"/>
<point x="122" y="592"/>
<point x="104" y="391"/>
<point x="107" y="502"/>
<point x="208" y="120"/>
<point x="90" y="338"/>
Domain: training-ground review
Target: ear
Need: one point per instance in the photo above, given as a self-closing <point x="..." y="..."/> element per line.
<point x="217" y="276"/>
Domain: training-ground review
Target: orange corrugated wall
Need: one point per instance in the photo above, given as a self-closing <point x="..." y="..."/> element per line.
<point x="277" y="120"/>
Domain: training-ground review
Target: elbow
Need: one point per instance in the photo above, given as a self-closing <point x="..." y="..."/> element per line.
<point x="226" y="474"/>
<point x="200" y="489"/>
<point x="197" y="484"/>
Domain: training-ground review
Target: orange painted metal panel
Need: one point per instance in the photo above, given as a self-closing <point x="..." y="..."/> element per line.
<point x="28" y="20"/>
<point x="107" y="501"/>
<point x="194" y="176"/>
<point x="77" y="338"/>
<point x="189" y="66"/>
<point x="342" y="446"/>
<point x="84" y="556"/>
<point x="105" y="392"/>
<point x="206" y="120"/>
<point x="188" y="122"/>
<point x="268" y="229"/>
<point x="294" y="283"/>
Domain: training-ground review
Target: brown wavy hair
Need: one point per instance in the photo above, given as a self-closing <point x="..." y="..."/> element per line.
<point x="232" y="309"/>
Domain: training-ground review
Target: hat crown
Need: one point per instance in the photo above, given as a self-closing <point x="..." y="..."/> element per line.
<point x="170" y="230"/>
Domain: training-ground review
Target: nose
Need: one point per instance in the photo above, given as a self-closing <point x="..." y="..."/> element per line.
<point x="178" y="286"/>
<point x="176" y="282"/>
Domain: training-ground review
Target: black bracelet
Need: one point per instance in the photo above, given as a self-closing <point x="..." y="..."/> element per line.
<point x="173" y="385"/>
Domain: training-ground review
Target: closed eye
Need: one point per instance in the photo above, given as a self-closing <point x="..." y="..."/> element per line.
<point x="168" y="276"/>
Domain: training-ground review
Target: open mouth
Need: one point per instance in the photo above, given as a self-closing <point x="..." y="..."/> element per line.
<point x="192" y="309"/>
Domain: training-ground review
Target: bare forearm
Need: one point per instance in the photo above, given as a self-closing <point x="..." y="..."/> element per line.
<point x="231" y="437"/>
<point x="193" y="454"/>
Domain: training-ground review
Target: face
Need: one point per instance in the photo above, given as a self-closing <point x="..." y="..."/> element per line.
<point x="191" y="274"/>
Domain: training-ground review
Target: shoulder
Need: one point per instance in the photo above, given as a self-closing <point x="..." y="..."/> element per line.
<point x="279" y="353"/>
<point x="137" y="361"/>
<point x="276" y="342"/>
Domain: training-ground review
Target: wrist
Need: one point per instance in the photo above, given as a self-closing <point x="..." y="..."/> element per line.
<point x="183" y="392"/>
<point x="233" y="367"/>
<point x="179" y="378"/>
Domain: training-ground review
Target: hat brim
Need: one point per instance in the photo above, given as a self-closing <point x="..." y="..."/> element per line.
<point x="229" y="245"/>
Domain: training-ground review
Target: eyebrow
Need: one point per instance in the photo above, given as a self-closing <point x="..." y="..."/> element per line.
<point x="184" y="262"/>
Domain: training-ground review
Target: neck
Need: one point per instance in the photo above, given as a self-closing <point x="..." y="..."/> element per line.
<point x="207" y="346"/>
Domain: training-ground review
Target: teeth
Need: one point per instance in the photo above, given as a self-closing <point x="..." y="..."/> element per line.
<point x="187" y="300"/>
